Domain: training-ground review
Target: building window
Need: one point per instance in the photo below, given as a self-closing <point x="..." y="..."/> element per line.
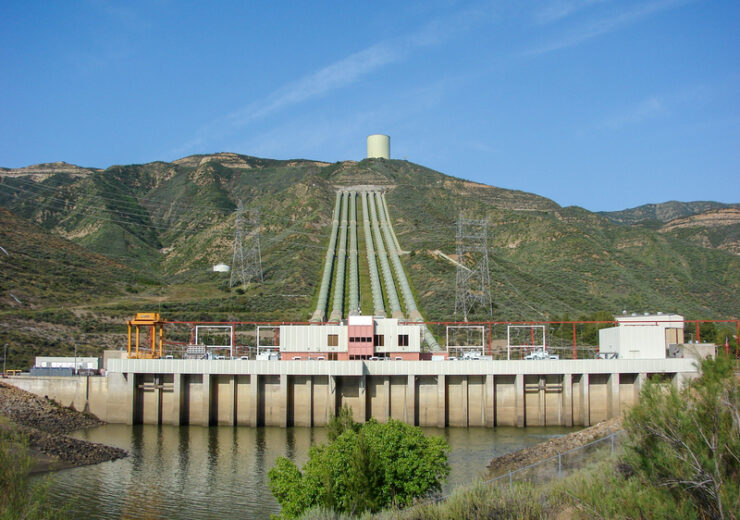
<point x="379" y="340"/>
<point x="403" y="340"/>
<point x="333" y="340"/>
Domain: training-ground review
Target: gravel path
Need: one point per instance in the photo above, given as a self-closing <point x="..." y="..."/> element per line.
<point x="46" y="424"/>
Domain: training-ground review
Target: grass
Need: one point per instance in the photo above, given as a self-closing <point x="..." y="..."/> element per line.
<point x="598" y="490"/>
<point x="366" y="294"/>
<point x="19" y="498"/>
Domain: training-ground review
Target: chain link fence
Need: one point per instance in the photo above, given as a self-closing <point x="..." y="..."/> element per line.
<point x="558" y="466"/>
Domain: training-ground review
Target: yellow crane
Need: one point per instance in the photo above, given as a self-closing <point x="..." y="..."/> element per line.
<point x="152" y="347"/>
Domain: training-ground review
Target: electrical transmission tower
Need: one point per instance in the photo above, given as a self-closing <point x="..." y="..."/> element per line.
<point x="247" y="263"/>
<point x="473" y="281"/>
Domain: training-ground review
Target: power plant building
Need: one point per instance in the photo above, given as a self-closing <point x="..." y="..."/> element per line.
<point x="362" y="337"/>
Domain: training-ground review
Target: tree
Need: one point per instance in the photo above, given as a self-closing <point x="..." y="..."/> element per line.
<point x="590" y="334"/>
<point x="340" y="423"/>
<point x="688" y="441"/>
<point x="708" y="332"/>
<point x="364" y="468"/>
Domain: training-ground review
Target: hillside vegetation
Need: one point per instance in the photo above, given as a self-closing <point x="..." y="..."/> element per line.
<point x="665" y="211"/>
<point x="104" y="244"/>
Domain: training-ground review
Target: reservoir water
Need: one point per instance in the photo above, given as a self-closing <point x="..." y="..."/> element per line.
<point x="192" y="472"/>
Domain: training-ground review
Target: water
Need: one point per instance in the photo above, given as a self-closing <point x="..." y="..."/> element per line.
<point x="192" y="472"/>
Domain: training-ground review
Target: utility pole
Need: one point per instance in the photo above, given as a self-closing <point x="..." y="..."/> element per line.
<point x="5" y="357"/>
<point x="473" y="280"/>
<point x="246" y="265"/>
<point x="74" y="370"/>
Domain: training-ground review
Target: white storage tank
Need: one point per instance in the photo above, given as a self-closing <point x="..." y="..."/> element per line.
<point x="378" y="146"/>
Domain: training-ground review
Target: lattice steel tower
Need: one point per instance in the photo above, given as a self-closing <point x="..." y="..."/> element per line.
<point x="247" y="263"/>
<point x="473" y="280"/>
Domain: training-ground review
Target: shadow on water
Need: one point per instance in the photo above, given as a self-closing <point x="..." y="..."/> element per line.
<point x="221" y="472"/>
<point x="183" y="459"/>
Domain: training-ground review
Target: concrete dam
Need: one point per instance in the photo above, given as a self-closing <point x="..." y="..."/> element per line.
<point x="478" y="393"/>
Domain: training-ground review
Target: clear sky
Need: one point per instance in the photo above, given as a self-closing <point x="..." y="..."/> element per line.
<point x="597" y="103"/>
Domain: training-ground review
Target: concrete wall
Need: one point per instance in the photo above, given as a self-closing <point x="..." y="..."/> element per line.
<point x="302" y="393"/>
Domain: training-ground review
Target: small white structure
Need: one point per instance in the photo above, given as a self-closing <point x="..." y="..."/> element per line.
<point x="378" y="146"/>
<point x="644" y="336"/>
<point x="89" y="363"/>
<point x="221" y="268"/>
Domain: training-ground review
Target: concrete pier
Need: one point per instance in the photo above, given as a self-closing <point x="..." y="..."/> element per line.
<point x="308" y="393"/>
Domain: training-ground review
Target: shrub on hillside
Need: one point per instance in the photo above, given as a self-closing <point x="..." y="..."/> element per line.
<point x="687" y="441"/>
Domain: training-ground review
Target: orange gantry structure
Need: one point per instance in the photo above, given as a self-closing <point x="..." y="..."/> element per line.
<point x="151" y="348"/>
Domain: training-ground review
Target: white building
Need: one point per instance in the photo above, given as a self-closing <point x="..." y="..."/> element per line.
<point x="645" y="336"/>
<point x="361" y="337"/>
<point x="89" y="363"/>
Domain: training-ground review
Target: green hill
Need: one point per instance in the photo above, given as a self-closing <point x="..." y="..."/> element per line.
<point x="170" y="222"/>
<point x="42" y="270"/>
<point x="716" y="229"/>
<point x="664" y="212"/>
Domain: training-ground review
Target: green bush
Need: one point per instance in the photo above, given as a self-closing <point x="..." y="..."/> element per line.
<point x="365" y="468"/>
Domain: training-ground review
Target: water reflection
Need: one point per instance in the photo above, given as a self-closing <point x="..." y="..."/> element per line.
<point x="221" y="472"/>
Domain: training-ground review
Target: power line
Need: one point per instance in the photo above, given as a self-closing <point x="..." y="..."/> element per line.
<point x="60" y="205"/>
<point x="131" y="212"/>
<point x="150" y="202"/>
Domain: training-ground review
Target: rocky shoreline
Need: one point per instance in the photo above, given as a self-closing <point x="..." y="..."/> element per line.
<point x="551" y="448"/>
<point x="46" y="424"/>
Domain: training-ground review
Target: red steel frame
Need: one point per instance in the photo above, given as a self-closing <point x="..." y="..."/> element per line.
<point x="489" y="324"/>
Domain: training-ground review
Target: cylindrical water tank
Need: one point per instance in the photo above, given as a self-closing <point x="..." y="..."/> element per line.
<point x="379" y="146"/>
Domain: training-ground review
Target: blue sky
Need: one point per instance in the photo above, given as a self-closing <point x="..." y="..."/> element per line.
<point x="597" y="103"/>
